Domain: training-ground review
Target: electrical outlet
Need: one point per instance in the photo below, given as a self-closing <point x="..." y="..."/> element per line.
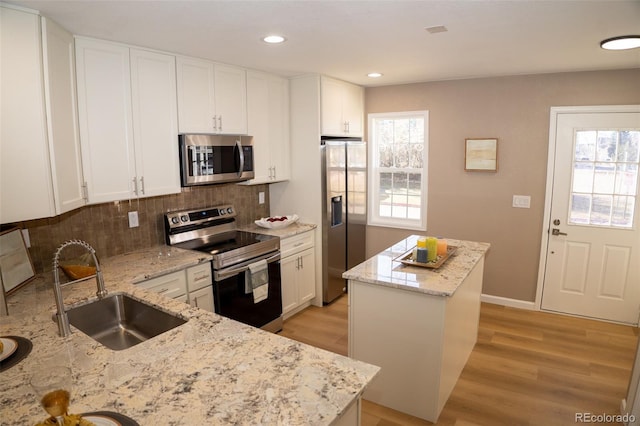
<point x="133" y="220"/>
<point x="260" y="197"/>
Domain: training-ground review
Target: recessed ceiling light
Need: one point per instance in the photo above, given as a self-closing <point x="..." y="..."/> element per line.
<point x="621" y="43"/>
<point x="374" y="74"/>
<point x="273" y="39"/>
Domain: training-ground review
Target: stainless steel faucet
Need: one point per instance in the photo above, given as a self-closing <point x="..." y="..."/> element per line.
<point x="61" y="315"/>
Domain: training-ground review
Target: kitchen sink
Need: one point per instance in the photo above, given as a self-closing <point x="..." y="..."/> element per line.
<point x="119" y="321"/>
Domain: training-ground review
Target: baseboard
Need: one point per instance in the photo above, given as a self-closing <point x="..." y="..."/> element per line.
<point x="504" y="301"/>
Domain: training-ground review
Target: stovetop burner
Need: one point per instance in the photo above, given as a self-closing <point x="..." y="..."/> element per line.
<point x="213" y="231"/>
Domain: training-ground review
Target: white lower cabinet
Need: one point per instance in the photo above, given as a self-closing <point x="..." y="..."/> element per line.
<point x="192" y="285"/>
<point x="173" y="285"/>
<point x="298" y="272"/>
<point x="200" y="286"/>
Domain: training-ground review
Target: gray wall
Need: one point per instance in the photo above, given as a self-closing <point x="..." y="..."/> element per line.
<point x="477" y="205"/>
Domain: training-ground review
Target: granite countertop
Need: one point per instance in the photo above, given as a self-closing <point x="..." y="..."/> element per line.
<point x="289" y="231"/>
<point x="211" y="370"/>
<point x="383" y="270"/>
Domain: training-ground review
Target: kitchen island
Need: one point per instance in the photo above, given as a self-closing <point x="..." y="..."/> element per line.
<point x="419" y="324"/>
<point x="210" y="370"/>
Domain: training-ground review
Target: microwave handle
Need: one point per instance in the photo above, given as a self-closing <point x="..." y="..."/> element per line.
<point x="241" y="156"/>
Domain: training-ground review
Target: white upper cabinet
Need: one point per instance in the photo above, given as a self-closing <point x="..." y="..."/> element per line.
<point x="155" y="122"/>
<point x="212" y="98"/>
<point x="342" y="108"/>
<point x="62" y="120"/>
<point x="106" y="130"/>
<point x="39" y="163"/>
<point x="268" y="117"/>
<point x="127" y="111"/>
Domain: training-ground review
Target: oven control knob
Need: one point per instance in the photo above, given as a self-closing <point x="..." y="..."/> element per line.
<point x="184" y="218"/>
<point x="229" y="210"/>
<point x="222" y="212"/>
<point x="174" y="220"/>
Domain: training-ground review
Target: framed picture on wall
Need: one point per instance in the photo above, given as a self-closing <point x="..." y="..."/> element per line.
<point x="481" y="155"/>
<point x="16" y="267"/>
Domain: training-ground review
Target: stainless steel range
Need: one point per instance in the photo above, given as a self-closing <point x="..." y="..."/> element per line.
<point x="246" y="265"/>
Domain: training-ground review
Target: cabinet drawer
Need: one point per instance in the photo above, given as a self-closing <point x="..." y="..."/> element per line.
<point x="199" y="276"/>
<point x="171" y="285"/>
<point x="296" y="243"/>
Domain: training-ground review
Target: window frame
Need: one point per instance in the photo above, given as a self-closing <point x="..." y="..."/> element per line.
<point x="374" y="218"/>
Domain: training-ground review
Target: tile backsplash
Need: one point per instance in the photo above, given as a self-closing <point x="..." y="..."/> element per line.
<point x="106" y="226"/>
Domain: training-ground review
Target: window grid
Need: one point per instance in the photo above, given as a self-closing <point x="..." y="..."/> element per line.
<point x="605" y="178"/>
<point x="398" y="172"/>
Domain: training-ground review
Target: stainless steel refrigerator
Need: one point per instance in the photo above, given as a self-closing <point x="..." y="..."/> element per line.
<point x="344" y="205"/>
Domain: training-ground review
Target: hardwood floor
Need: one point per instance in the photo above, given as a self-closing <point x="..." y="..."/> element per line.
<point x="527" y="368"/>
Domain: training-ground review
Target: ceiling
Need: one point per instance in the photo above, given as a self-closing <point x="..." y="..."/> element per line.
<point x="348" y="39"/>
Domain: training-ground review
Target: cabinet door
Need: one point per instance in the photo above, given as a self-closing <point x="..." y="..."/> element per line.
<point x="268" y="118"/>
<point x="104" y="112"/>
<point x="196" y="102"/>
<point x="353" y="109"/>
<point x="62" y="120"/>
<point x="307" y="276"/>
<point x="155" y="123"/>
<point x="331" y="104"/>
<point x="258" y="125"/>
<point x="289" y="274"/>
<point x="230" y="96"/>
<point x="25" y="175"/>
<point x="278" y="110"/>
<point x="202" y="298"/>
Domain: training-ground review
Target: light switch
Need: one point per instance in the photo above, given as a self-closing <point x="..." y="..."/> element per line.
<point x="260" y="197"/>
<point x="522" y="201"/>
<point x="133" y="220"/>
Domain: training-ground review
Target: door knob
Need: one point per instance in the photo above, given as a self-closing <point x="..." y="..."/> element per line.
<point x="556" y="231"/>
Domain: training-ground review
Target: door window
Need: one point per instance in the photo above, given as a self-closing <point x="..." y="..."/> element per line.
<point x="605" y="178"/>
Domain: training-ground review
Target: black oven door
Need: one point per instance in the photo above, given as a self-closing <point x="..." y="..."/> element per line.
<point x="232" y="301"/>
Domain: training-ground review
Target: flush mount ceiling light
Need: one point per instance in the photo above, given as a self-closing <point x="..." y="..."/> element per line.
<point x="374" y="74"/>
<point x="436" y="29"/>
<point x="621" y="43"/>
<point x="274" y="39"/>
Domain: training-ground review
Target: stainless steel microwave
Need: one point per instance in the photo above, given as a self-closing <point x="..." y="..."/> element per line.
<point x="208" y="159"/>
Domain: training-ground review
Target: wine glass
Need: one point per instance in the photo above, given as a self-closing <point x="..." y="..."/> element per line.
<point x="52" y="386"/>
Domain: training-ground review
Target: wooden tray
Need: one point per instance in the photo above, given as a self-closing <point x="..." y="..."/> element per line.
<point x="406" y="258"/>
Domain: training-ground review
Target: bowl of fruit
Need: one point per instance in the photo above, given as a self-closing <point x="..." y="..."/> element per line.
<point x="277" y="222"/>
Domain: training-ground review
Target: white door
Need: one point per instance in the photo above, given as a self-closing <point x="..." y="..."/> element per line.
<point x="592" y="257"/>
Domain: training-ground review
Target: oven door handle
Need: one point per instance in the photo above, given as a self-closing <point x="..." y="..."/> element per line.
<point x="223" y="274"/>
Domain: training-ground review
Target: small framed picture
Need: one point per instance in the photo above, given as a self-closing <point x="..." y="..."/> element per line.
<point x="16" y="267"/>
<point x="481" y="155"/>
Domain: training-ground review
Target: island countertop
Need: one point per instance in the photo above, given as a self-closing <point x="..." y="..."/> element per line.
<point x="211" y="370"/>
<point x="382" y="269"/>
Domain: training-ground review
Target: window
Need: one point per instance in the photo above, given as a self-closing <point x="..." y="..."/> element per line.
<point x="398" y="169"/>
<point x="605" y="178"/>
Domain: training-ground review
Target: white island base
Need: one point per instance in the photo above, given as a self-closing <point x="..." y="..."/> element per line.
<point x="421" y="340"/>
